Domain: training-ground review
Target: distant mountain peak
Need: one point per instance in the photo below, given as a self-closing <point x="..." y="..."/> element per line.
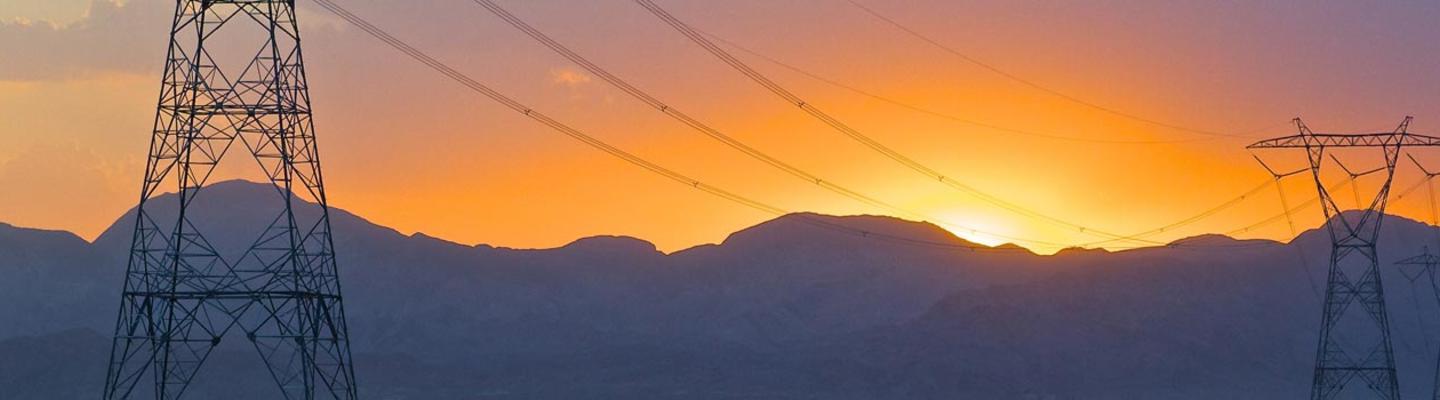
<point x="11" y="231"/>
<point x="1213" y="239"/>
<point x="612" y="243"/>
<point x="424" y="236"/>
<point x="798" y="226"/>
<point x="1011" y="246"/>
<point x="234" y="187"/>
<point x="238" y="182"/>
<point x="1081" y="250"/>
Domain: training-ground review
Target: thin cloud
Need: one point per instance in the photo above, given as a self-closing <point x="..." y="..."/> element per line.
<point x="569" y="77"/>
<point x="103" y="41"/>
<point x="112" y="37"/>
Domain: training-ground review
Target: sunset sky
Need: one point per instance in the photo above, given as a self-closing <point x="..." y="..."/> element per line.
<point x="409" y="149"/>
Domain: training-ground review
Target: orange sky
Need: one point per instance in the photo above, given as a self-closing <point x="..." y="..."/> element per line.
<point x="408" y="149"/>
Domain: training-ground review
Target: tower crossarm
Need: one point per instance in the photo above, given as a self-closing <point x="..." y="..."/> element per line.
<point x="1423" y="259"/>
<point x="1346" y="140"/>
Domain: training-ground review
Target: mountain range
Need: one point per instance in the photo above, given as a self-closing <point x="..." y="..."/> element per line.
<point x="781" y="310"/>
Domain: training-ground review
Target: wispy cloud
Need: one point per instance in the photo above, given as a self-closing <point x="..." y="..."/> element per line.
<point x="125" y="37"/>
<point x="569" y="77"/>
<point x="102" y="41"/>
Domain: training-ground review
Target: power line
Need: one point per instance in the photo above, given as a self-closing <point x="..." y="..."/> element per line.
<point x="1290" y="222"/>
<point x="777" y="89"/>
<point x="706" y="129"/>
<point x="1311" y="202"/>
<point x="943" y="115"/>
<point x="1032" y="84"/>
<point x="1164" y="228"/>
<point x="1197" y="217"/>
<point x="680" y="116"/>
<point x="512" y="104"/>
<point x="478" y="87"/>
<point x="1286" y="213"/>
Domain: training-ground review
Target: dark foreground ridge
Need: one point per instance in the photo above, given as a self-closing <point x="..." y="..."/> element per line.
<point x="783" y="309"/>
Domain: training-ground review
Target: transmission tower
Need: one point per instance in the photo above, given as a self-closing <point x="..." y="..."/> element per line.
<point x="1426" y="264"/>
<point x="1353" y="345"/>
<point x="233" y="76"/>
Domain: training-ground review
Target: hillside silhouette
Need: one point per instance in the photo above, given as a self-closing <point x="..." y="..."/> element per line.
<point x="783" y="309"/>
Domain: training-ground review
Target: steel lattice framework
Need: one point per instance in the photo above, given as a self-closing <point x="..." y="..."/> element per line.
<point x="1426" y="263"/>
<point x="181" y="297"/>
<point x="1353" y="345"/>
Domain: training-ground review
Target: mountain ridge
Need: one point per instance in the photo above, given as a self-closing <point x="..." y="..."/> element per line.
<point x="784" y="308"/>
<point x="920" y="230"/>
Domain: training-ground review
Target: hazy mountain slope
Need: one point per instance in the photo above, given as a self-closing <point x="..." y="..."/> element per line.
<point x="45" y="284"/>
<point x="1156" y="323"/>
<point x="781" y="280"/>
<point x="779" y="310"/>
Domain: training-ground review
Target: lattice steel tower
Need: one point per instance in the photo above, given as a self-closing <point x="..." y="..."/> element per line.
<point x="1353" y="345"/>
<point x="1427" y="264"/>
<point x="233" y="76"/>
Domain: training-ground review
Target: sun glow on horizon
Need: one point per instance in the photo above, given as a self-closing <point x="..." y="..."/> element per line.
<point x="977" y="227"/>
<point x="421" y="154"/>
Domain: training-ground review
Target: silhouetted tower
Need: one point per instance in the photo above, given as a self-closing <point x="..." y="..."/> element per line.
<point x="233" y="81"/>
<point x="1354" y="341"/>
<point x="1425" y="265"/>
